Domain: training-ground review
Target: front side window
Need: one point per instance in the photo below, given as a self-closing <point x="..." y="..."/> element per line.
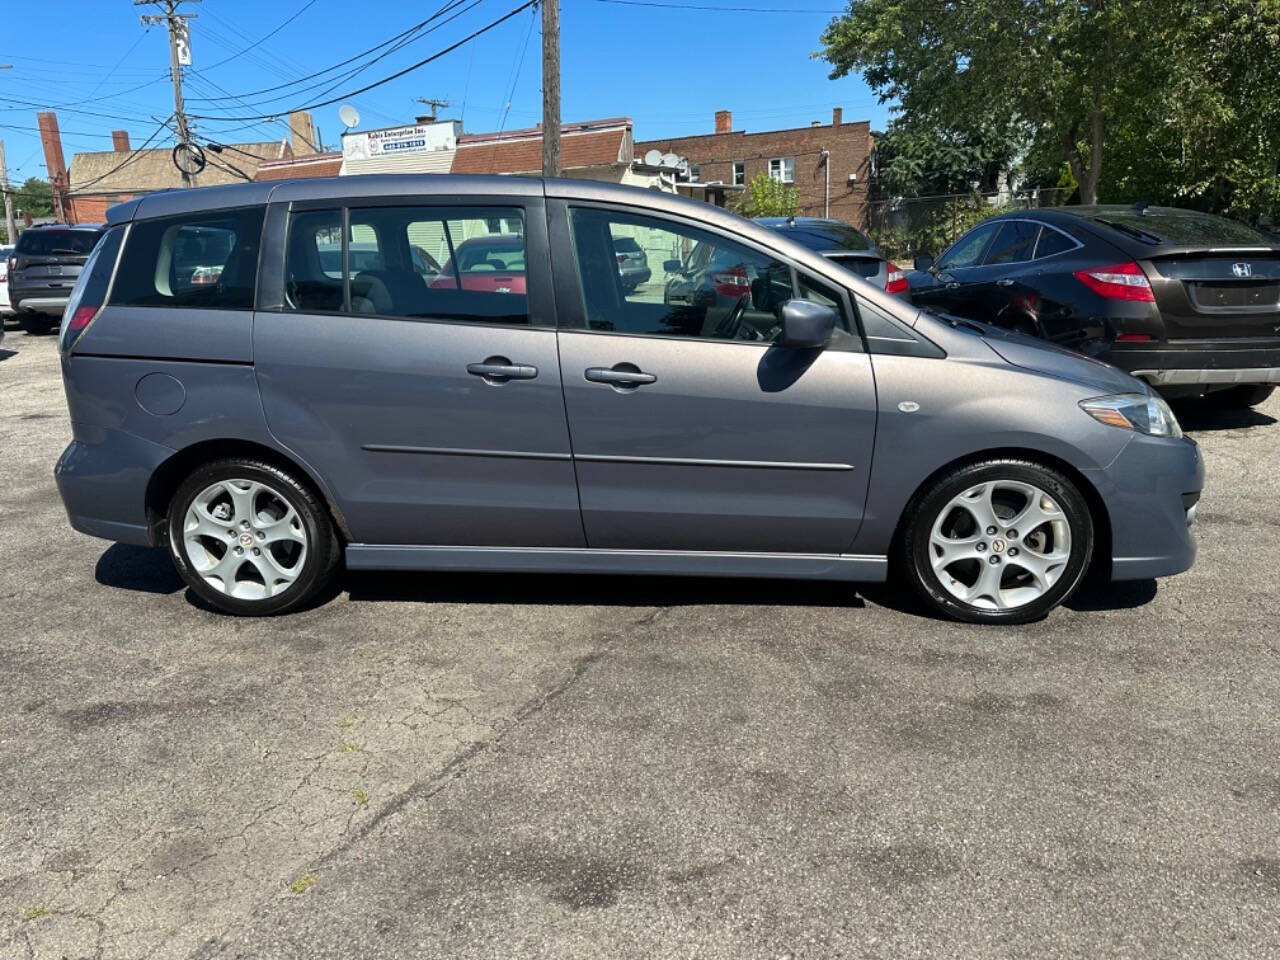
<point x="423" y="263"/>
<point x="700" y="285"/>
<point x="1014" y="243"/>
<point x="968" y="250"/>
<point x="783" y="169"/>
<point x="197" y="261"/>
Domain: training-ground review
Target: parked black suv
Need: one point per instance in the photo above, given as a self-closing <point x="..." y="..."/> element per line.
<point x="1189" y="302"/>
<point x="43" y="270"/>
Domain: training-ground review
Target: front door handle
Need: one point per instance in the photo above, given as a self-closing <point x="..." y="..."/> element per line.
<point x="499" y="370"/>
<point x="1006" y="282"/>
<point x="620" y="375"/>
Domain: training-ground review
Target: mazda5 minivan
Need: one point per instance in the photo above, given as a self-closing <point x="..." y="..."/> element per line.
<point x="278" y="415"/>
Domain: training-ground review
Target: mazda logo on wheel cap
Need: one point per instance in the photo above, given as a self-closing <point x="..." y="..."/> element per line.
<point x="1242" y="269"/>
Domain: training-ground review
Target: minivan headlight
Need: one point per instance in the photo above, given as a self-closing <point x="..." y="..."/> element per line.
<point x="1145" y="412"/>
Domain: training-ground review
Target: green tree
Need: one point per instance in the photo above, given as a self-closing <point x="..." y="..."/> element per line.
<point x="919" y="162"/>
<point x="1041" y="71"/>
<point x="767" y="197"/>
<point x="34" y="197"/>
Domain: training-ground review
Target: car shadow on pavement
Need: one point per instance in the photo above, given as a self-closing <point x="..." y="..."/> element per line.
<point x="1204" y="416"/>
<point x="6" y="354"/>
<point x="144" y="569"/>
<point x="1098" y="595"/>
<point x="594" y="590"/>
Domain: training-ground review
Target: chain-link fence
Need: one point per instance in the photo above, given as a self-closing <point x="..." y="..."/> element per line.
<point x="903" y="228"/>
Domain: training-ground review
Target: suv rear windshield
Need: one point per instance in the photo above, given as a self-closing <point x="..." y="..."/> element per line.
<point x="822" y="237"/>
<point x="1185" y="228"/>
<point x="51" y="243"/>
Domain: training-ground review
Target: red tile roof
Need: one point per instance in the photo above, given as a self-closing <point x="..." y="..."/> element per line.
<point x="597" y="143"/>
<point x="314" y="165"/>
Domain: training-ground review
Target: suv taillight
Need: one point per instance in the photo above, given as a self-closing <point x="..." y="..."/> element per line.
<point x="896" y="281"/>
<point x="732" y="282"/>
<point x="1119" y="281"/>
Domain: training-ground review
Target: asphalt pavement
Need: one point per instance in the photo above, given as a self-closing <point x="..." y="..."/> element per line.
<point x="578" y="767"/>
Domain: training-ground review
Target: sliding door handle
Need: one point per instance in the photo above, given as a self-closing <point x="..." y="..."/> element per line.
<point x="500" y="370"/>
<point x="619" y="375"/>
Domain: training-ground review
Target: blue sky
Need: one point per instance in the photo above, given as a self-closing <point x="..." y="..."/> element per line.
<point x="668" y="67"/>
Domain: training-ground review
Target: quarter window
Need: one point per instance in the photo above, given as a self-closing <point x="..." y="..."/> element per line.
<point x="783" y="169"/>
<point x="1051" y="242"/>
<point x="698" y="284"/>
<point x="196" y="261"/>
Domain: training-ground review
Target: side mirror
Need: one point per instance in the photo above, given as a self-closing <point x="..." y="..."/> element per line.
<point x="806" y="325"/>
<point x="924" y="263"/>
<point x="672" y="266"/>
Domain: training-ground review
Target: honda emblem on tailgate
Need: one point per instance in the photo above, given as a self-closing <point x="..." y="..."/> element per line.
<point x="1242" y="269"/>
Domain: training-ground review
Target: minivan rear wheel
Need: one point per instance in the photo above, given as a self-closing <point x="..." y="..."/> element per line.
<point x="250" y="538"/>
<point x="1001" y="541"/>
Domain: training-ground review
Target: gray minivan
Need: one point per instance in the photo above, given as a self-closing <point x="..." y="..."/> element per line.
<point x="267" y="412"/>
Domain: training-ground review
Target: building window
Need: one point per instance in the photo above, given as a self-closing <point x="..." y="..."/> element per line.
<point x="783" y="169"/>
<point x="739" y="173"/>
<point x="695" y="173"/>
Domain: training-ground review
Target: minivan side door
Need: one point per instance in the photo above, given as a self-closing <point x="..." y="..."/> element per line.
<point x="692" y="429"/>
<point x="429" y="400"/>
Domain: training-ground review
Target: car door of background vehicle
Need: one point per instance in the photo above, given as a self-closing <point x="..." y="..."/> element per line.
<point x="1002" y="288"/>
<point x="431" y="407"/>
<point x="955" y="274"/>
<point x="687" y="436"/>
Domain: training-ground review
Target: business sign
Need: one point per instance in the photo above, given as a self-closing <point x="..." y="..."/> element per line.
<point x="396" y="141"/>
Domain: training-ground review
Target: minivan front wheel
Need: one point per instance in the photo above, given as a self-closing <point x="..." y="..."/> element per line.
<point x="1003" y="541"/>
<point x="250" y="539"/>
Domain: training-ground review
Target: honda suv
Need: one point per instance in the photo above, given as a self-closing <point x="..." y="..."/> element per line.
<point x="43" y="269"/>
<point x="288" y="416"/>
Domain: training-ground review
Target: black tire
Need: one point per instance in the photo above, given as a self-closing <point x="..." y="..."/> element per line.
<point x="915" y="553"/>
<point x="1248" y="395"/>
<point x="35" y="323"/>
<point x="324" y="551"/>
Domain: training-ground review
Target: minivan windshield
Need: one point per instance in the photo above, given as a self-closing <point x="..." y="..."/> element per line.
<point x="50" y="243"/>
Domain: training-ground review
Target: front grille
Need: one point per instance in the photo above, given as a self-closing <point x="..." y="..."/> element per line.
<point x="1226" y="295"/>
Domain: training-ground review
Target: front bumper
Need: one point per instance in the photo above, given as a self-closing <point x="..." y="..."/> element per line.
<point x="102" y="478"/>
<point x="1150" y="491"/>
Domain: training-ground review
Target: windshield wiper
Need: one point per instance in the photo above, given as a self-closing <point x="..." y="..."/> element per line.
<point x="1143" y="235"/>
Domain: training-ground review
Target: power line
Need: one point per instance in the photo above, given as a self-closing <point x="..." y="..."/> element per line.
<point x="342" y="63"/>
<point x="395" y="76"/>
<point x="265" y="37"/>
<point x="110" y="73"/>
<point x="133" y="155"/>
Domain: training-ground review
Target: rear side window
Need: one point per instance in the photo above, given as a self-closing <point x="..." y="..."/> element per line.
<point x="423" y="263"/>
<point x="53" y="243"/>
<point x="1052" y="242"/>
<point x="1015" y="242"/>
<point x="202" y="261"/>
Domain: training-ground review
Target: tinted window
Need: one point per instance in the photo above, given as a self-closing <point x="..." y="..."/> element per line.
<point x="1014" y="243"/>
<point x="52" y="243"/>
<point x="878" y="327"/>
<point x="202" y="261"/>
<point x="701" y="285"/>
<point x="1052" y="241"/>
<point x="1183" y="227"/>
<point x="424" y="263"/>
<point x="968" y="250"/>
<point x="822" y="237"/>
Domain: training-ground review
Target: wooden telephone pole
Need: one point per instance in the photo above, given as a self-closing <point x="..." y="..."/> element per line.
<point x="179" y="55"/>
<point x="551" y="88"/>
<point x="10" y="226"/>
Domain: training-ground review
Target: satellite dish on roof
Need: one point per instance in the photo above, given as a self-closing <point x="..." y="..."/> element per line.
<point x="349" y="116"/>
<point x="653" y="158"/>
<point x="670" y="160"/>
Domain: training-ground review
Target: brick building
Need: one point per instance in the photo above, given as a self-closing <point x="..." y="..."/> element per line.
<point x="803" y="156"/>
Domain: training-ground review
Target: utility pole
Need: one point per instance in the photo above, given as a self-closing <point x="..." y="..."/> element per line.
<point x="435" y="105"/>
<point x="179" y="55"/>
<point x="9" y="223"/>
<point x="551" y="88"/>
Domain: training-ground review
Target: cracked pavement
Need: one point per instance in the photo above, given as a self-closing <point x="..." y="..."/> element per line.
<point x="479" y="766"/>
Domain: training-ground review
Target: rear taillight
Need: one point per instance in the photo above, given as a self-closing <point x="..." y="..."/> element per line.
<point x="1119" y="281"/>
<point x="621" y="258"/>
<point x="80" y="319"/>
<point x="731" y="283"/>
<point x="896" y="281"/>
<point x="1134" y="338"/>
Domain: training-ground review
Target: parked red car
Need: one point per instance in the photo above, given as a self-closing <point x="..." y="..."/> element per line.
<point x="493" y="264"/>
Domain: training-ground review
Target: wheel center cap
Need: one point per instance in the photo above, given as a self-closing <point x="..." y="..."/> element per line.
<point x="997" y="546"/>
<point x="246" y="539"/>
